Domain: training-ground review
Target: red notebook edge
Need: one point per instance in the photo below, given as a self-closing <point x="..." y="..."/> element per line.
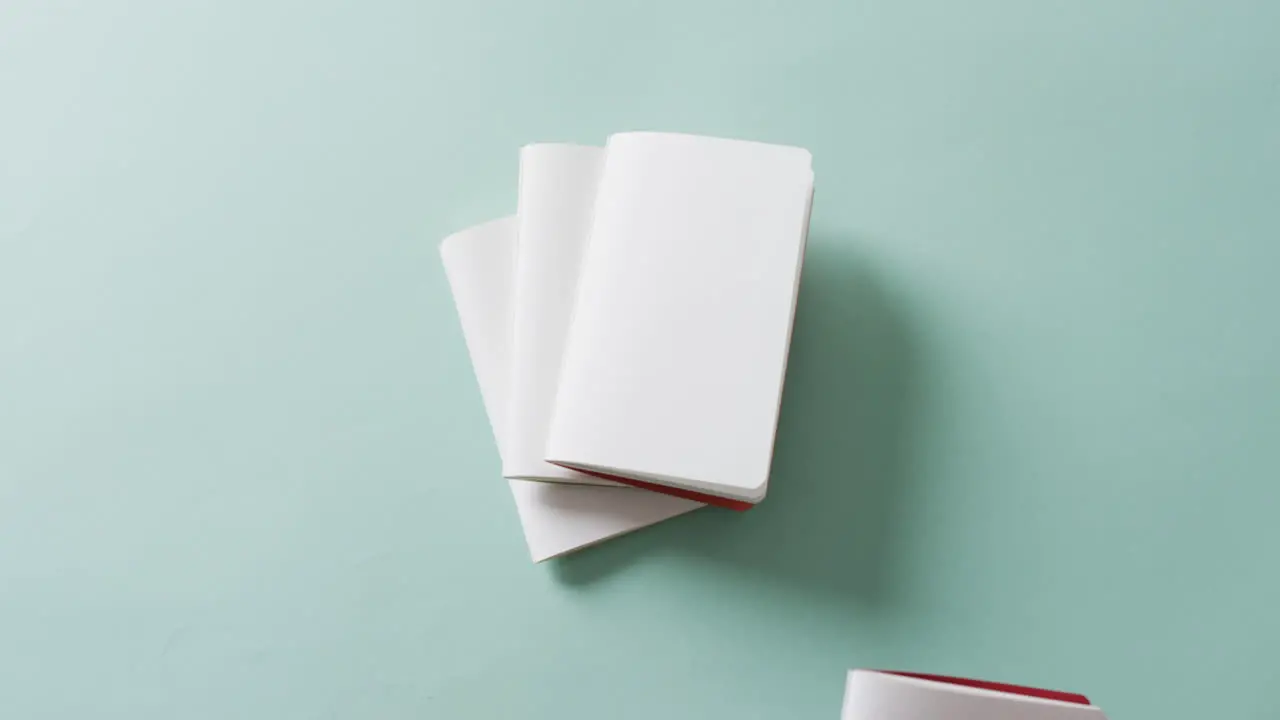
<point x="1058" y="695"/>
<point x="738" y="505"/>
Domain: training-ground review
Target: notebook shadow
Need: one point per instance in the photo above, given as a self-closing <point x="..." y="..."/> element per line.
<point x="841" y="469"/>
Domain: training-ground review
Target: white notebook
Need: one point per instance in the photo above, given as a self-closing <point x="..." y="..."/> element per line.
<point x="556" y="518"/>
<point x="881" y="695"/>
<point x="673" y="371"/>
<point x="557" y="191"/>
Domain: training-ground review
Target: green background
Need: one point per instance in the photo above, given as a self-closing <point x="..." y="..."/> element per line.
<point x="1032" y="423"/>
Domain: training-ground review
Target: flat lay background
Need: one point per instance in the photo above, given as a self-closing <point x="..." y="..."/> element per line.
<point x="1032" y="423"/>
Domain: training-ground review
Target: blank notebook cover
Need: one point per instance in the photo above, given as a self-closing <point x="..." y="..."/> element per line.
<point x="557" y="190"/>
<point x="673" y="371"/>
<point x="556" y="518"/>
<point x="884" y="695"/>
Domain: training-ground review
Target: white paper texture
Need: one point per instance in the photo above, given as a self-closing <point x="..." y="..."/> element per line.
<point x="675" y="362"/>
<point x="556" y="518"/>
<point x="554" y="205"/>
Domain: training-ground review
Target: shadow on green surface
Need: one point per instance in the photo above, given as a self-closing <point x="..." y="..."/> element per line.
<point x="831" y="520"/>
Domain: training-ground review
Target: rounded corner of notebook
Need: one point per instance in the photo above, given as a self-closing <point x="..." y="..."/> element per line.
<point x="541" y="557"/>
<point x="754" y="495"/>
<point x="496" y="224"/>
<point x="560" y="146"/>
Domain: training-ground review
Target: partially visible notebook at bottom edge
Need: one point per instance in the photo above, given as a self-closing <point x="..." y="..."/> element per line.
<point x="557" y="519"/>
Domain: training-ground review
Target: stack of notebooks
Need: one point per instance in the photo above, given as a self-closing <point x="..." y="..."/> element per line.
<point x="629" y="327"/>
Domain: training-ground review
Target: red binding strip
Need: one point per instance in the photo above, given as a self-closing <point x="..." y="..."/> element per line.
<point x="1058" y="695"/>
<point x="738" y="505"/>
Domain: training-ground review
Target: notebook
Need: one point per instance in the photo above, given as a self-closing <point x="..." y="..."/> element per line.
<point x="673" y="369"/>
<point x="556" y="518"/>
<point x="883" y="695"/>
<point x="557" y="191"/>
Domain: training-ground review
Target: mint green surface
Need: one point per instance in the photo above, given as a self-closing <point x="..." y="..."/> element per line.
<point x="1032" y="423"/>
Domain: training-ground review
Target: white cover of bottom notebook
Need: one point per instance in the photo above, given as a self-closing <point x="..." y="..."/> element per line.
<point x="557" y="518"/>
<point x="880" y="695"/>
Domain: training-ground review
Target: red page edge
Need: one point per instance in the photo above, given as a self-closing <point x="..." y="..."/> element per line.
<point x="1060" y="696"/>
<point x="737" y="505"/>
